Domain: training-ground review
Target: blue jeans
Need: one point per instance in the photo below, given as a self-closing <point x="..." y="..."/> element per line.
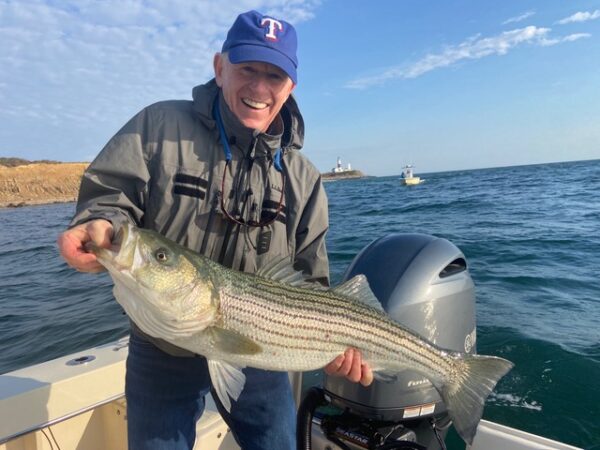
<point x="165" y="398"/>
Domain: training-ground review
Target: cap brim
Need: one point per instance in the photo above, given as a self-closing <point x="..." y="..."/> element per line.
<point x="248" y="53"/>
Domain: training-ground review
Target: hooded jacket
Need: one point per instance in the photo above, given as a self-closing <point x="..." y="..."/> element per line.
<point x="164" y="171"/>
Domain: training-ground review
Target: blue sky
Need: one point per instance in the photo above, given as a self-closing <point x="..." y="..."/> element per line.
<point x="443" y="85"/>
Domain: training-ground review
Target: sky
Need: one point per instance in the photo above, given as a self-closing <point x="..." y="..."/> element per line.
<point x="442" y="85"/>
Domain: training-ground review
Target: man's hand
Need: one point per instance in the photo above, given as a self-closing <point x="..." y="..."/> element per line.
<point x="350" y="365"/>
<point x="71" y="242"/>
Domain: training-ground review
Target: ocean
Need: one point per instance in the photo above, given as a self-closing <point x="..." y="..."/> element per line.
<point x="530" y="234"/>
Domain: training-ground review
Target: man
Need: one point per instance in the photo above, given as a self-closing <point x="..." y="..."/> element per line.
<point x="223" y="175"/>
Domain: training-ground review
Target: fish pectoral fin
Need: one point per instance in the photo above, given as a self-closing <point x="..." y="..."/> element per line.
<point x="358" y="289"/>
<point x="233" y="342"/>
<point x="227" y="380"/>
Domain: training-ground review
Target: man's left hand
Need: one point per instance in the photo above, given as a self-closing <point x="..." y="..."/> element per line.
<point x="351" y="366"/>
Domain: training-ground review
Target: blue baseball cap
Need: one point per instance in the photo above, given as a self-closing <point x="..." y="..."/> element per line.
<point x="256" y="37"/>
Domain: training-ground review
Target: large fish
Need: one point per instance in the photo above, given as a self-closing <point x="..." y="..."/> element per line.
<point x="276" y="320"/>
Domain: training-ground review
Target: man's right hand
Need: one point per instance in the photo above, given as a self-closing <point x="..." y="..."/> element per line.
<point x="71" y="244"/>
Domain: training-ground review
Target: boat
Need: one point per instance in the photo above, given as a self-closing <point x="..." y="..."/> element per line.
<point x="407" y="178"/>
<point x="77" y="402"/>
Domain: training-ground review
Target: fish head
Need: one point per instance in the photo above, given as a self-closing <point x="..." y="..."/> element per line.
<point x="163" y="286"/>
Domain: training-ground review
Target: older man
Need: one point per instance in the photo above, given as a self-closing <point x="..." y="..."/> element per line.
<point x="223" y="175"/>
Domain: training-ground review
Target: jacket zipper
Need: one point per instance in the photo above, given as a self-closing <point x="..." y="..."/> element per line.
<point x="242" y="176"/>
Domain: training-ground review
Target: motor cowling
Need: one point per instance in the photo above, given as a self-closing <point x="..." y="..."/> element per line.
<point x="423" y="283"/>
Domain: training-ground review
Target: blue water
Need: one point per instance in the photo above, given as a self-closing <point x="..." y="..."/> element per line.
<point x="531" y="235"/>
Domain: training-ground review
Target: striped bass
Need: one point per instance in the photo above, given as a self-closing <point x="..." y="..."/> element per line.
<point x="276" y="320"/>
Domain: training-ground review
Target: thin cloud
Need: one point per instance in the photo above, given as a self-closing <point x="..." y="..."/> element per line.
<point x="519" y="18"/>
<point x="570" y="38"/>
<point x="89" y="66"/>
<point x="580" y="17"/>
<point x="473" y="48"/>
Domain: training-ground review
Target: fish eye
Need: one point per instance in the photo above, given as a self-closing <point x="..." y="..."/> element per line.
<point x="161" y="255"/>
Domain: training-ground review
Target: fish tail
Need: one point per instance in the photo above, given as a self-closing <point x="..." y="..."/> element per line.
<point x="465" y="394"/>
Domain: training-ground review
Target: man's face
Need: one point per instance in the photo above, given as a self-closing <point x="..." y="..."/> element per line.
<point x="254" y="91"/>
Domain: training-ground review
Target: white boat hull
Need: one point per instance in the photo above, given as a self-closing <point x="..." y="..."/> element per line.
<point x="411" y="181"/>
<point x="493" y="436"/>
<point x="56" y="405"/>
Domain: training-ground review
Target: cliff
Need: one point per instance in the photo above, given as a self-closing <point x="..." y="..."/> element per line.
<point x="33" y="183"/>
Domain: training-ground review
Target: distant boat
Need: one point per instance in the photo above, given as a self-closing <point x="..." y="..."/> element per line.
<point x="408" y="178"/>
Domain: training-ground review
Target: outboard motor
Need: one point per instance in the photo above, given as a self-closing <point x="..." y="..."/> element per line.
<point x="423" y="283"/>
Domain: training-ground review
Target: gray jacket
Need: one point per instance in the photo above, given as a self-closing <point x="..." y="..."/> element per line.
<point x="164" y="169"/>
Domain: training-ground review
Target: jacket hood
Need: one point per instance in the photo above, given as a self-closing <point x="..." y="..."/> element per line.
<point x="205" y="95"/>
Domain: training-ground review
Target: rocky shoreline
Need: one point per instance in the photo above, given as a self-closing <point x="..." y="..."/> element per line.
<point x="345" y="175"/>
<point x="39" y="183"/>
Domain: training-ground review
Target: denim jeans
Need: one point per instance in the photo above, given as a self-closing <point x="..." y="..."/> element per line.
<point x="165" y="398"/>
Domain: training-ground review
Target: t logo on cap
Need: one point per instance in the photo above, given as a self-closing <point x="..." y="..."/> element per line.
<point x="273" y="25"/>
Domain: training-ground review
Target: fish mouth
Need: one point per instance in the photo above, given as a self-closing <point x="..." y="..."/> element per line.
<point x="117" y="255"/>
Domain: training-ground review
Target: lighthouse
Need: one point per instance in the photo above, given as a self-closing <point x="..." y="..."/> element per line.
<point x="338" y="167"/>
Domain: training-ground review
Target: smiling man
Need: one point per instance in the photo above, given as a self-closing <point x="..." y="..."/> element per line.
<point x="223" y="175"/>
<point x="255" y="92"/>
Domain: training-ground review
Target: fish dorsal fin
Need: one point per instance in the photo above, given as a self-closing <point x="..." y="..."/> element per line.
<point x="227" y="380"/>
<point x="282" y="270"/>
<point x="232" y="342"/>
<point x="358" y="289"/>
